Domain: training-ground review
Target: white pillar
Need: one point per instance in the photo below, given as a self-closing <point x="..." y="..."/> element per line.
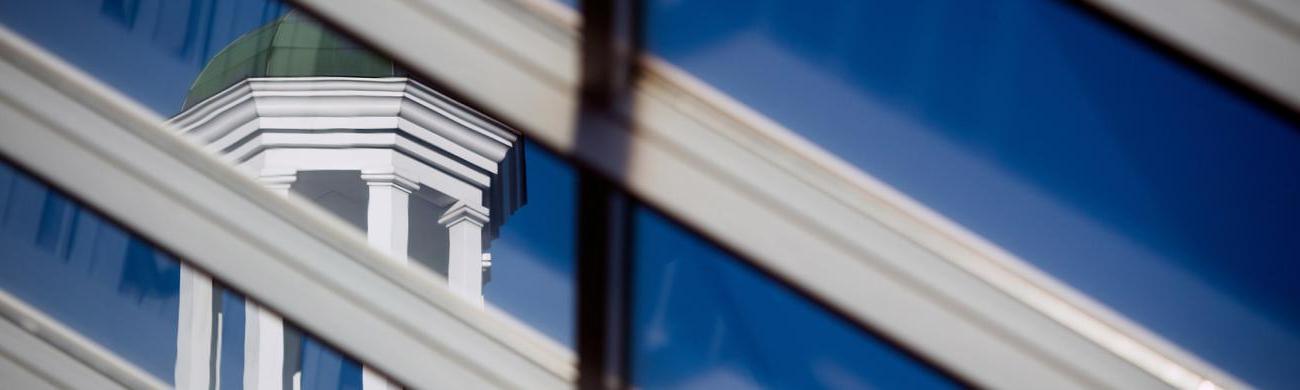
<point x="388" y="212"/>
<point x="388" y="229"/>
<point x="263" y="328"/>
<point x="263" y="348"/>
<point x="194" y="330"/>
<point x="464" y="224"/>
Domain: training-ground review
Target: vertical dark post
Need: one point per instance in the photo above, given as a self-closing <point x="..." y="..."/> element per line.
<point x="603" y="285"/>
<point x="610" y="43"/>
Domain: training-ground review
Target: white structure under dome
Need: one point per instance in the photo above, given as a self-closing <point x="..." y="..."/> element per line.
<point x="427" y="179"/>
<point x="306" y="112"/>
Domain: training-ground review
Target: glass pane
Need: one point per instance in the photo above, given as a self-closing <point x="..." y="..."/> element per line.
<point x="703" y="320"/>
<point x="88" y="273"/>
<point x="1058" y="136"/>
<point x="188" y="59"/>
<point x="127" y="295"/>
<point x="534" y="278"/>
<point x="229" y="307"/>
<point x="323" y="367"/>
<point x="152" y="51"/>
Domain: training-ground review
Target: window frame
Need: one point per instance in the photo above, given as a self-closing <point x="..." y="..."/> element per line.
<point x="738" y="178"/>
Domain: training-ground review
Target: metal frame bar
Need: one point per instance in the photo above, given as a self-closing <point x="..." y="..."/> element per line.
<point x="604" y="284"/>
<point x="604" y="304"/>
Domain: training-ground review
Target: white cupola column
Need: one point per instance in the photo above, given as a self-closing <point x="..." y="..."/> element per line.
<point x="263" y="328"/>
<point x="464" y="224"/>
<point x="388" y="212"/>
<point x="388" y="229"/>
<point x="194" y="330"/>
<point x="263" y="348"/>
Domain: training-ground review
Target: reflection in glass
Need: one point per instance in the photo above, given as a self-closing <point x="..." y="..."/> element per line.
<point x="534" y="276"/>
<point x="1050" y="132"/>
<point x="228" y="330"/>
<point x="702" y="320"/>
<point x="423" y="177"/>
<point x="87" y="273"/>
<point x="137" y="301"/>
<point x="150" y="50"/>
<point x="319" y="366"/>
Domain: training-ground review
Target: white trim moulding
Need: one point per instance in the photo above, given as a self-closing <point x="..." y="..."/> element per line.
<point x="792" y="208"/>
<point x="312" y="268"/>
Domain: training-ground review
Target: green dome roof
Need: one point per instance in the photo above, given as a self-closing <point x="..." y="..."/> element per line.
<point x="292" y="46"/>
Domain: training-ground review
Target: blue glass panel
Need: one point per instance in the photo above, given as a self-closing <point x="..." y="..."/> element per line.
<point x="231" y="353"/>
<point x="1049" y="131"/>
<point x="324" y="367"/>
<point x="702" y="320"/>
<point x="532" y="278"/>
<point x="87" y="273"/>
<point x="150" y="50"/>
